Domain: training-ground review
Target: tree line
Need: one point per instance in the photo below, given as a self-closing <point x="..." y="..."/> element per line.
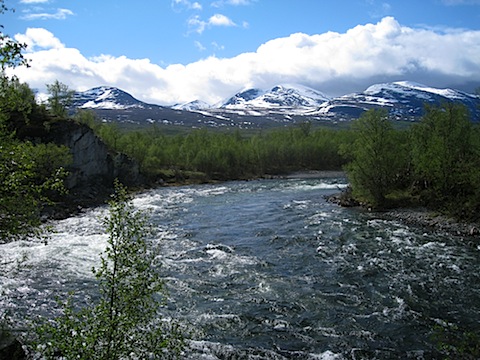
<point x="220" y="155"/>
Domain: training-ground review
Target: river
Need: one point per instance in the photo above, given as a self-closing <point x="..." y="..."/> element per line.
<point x="269" y="269"/>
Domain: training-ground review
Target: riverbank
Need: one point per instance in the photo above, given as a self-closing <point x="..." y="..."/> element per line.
<point x="417" y="216"/>
<point x="433" y="221"/>
<point x="315" y="174"/>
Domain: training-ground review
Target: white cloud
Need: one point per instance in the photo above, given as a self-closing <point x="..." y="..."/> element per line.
<point x="217" y="46"/>
<point x="335" y="63"/>
<point x="60" y="14"/>
<point x="38" y="38"/>
<point x="187" y="4"/>
<point x="220" y="20"/>
<point x="221" y="3"/>
<point x="34" y="1"/>
<point x="198" y="25"/>
<point x="199" y="46"/>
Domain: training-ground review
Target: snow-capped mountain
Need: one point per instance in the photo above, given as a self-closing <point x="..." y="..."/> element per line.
<point x="281" y="97"/>
<point x="403" y="99"/>
<point x="192" y="106"/>
<point x="280" y="105"/>
<point x="105" y="97"/>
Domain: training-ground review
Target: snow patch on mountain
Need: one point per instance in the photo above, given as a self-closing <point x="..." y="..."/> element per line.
<point x="286" y="96"/>
<point x="192" y="106"/>
<point x="407" y="87"/>
<point x="105" y="97"/>
<point x="281" y="104"/>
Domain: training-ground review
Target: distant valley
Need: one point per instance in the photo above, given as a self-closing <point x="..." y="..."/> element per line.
<point x="281" y="105"/>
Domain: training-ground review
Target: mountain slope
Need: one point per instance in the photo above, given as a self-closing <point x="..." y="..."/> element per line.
<point x="281" y="97"/>
<point x="280" y="105"/>
<point x="403" y="99"/>
<point x="111" y="104"/>
<point x="105" y="97"/>
<point x="192" y="106"/>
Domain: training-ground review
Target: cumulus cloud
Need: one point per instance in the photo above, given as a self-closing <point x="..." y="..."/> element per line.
<point x="198" y="25"/>
<point x="38" y="38"/>
<point x="335" y="63"/>
<point x="220" y="20"/>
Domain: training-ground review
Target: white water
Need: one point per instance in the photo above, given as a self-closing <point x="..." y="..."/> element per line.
<point x="269" y="269"/>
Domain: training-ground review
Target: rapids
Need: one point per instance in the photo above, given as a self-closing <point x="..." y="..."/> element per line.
<point x="270" y="270"/>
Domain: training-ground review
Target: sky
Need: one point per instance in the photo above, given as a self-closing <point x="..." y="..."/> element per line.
<point x="174" y="51"/>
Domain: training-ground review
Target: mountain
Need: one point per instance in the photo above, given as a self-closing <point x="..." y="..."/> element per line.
<point x="192" y="106"/>
<point x="111" y="104"/>
<point x="404" y="100"/>
<point x="282" y="98"/>
<point x="278" y="106"/>
<point x="105" y="97"/>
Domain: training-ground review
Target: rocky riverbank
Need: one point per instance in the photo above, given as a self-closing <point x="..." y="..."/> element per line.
<point x="435" y="222"/>
<point x="419" y="217"/>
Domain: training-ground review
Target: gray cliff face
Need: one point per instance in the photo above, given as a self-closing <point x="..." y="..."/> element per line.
<point x="93" y="162"/>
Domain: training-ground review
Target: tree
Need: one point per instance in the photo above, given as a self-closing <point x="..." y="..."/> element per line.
<point x="25" y="180"/>
<point x="88" y="118"/>
<point x="377" y="159"/>
<point x="28" y="175"/>
<point x="60" y="98"/>
<point x="442" y="151"/>
<point x="125" y="322"/>
<point x="10" y="49"/>
<point x="17" y="104"/>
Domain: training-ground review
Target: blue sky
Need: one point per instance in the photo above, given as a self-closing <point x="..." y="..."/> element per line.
<point x="169" y="51"/>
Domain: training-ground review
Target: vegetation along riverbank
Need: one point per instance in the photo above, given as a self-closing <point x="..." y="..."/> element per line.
<point x="54" y="163"/>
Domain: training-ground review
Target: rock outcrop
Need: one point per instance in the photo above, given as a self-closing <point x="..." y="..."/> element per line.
<point x="93" y="162"/>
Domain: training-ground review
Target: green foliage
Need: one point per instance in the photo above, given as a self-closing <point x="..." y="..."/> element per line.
<point x="29" y="175"/>
<point x="125" y="323"/>
<point x="230" y="155"/>
<point x="88" y="118"/>
<point x="378" y="158"/>
<point x="454" y="343"/>
<point x="442" y="152"/>
<point x="10" y="49"/>
<point x="435" y="163"/>
<point x="17" y="101"/>
<point x="60" y="97"/>
<point x="441" y="146"/>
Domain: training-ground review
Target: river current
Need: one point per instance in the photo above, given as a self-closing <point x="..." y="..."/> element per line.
<point x="269" y="269"/>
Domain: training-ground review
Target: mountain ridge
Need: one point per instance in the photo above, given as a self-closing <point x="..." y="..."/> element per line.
<point x="279" y="105"/>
